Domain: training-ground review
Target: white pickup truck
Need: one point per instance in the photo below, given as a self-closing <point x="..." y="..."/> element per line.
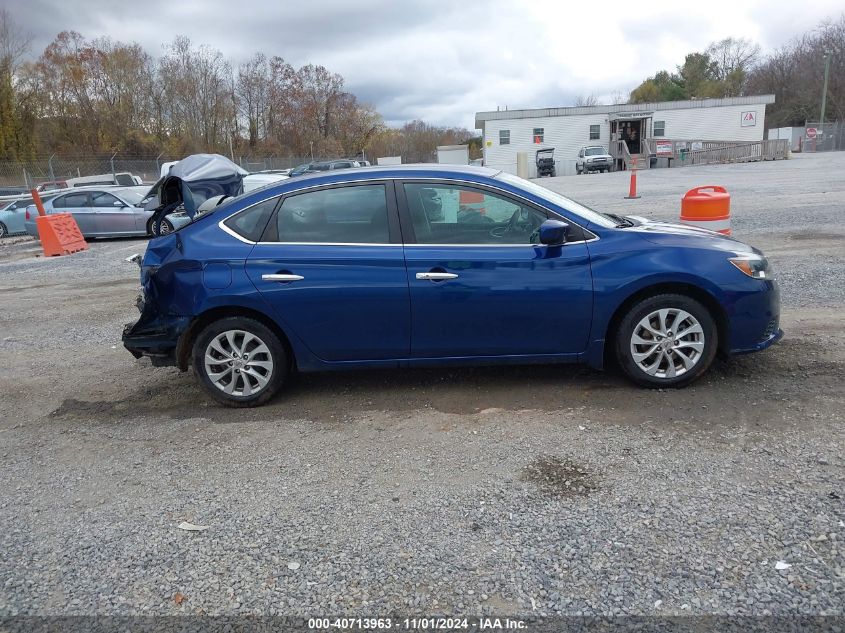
<point x="593" y="158"/>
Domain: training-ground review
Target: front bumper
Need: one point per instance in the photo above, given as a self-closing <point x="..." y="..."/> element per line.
<point x="598" y="165"/>
<point x="755" y="319"/>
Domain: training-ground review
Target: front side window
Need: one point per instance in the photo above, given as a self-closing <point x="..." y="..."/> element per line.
<point x="102" y="199"/>
<point x="595" y="132"/>
<point x="71" y="201"/>
<point x="539" y="135"/>
<point x="554" y="198"/>
<point x="341" y="215"/>
<point x="452" y="214"/>
<point x="504" y="137"/>
<point x="250" y="223"/>
<point x="660" y="128"/>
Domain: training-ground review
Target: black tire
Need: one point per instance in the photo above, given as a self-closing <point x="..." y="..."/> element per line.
<point x="166" y="227"/>
<point x="165" y="224"/>
<point x="553" y="173"/>
<point x="277" y="354"/>
<point x="707" y="341"/>
<point x="4" y="232"/>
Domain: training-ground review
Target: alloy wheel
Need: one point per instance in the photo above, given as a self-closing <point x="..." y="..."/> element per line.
<point x="238" y="363"/>
<point x="667" y="343"/>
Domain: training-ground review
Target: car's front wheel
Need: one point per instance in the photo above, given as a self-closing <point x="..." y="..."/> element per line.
<point x="667" y="340"/>
<point x="166" y="227"/>
<point x="241" y="361"/>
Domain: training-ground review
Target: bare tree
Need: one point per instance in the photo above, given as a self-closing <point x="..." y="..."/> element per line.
<point x="586" y="100"/>
<point x="617" y="97"/>
<point x="14" y="42"/>
<point x="251" y="96"/>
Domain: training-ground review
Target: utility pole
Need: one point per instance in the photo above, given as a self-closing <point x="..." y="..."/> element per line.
<point x="824" y="92"/>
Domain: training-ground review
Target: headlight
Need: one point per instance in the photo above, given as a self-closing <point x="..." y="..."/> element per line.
<point x="754" y="266"/>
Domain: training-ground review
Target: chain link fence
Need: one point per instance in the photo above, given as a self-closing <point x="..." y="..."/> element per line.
<point x="824" y="138"/>
<point x="31" y="173"/>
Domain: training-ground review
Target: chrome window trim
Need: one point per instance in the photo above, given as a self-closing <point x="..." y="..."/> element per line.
<point x="395" y="178"/>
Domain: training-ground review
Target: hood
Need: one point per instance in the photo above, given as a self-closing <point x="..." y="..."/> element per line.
<point x="193" y="180"/>
<point x="671" y="234"/>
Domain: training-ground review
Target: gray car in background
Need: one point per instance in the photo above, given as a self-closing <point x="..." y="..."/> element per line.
<point x="106" y="212"/>
<point x="12" y="212"/>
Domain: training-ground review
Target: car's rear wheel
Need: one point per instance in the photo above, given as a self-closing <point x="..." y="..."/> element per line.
<point x="666" y="341"/>
<point x="3" y="230"/>
<point x="241" y="361"/>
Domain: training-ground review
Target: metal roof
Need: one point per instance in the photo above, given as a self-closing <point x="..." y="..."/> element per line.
<point x="481" y="117"/>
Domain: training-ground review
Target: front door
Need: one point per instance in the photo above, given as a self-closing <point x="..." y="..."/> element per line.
<point x="331" y="266"/>
<point x="482" y="285"/>
<point x="114" y="217"/>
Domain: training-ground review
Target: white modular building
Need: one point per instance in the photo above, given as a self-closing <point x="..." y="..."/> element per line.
<point x="625" y="130"/>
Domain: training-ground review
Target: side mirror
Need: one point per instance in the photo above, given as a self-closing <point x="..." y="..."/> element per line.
<point x="553" y="232"/>
<point x="118" y="203"/>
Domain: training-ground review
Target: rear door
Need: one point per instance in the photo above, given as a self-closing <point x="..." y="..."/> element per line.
<point x="78" y="204"/>
<point x="331" y="265"/>
<point x="481" y="284"/>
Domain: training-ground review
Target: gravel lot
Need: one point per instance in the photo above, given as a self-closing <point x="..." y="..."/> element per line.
<point x="509" y="491"/>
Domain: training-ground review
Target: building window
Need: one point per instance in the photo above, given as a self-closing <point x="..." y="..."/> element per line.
<point x="595" y="132"/>
<point x="504" y="137"/>
<point x="660" y="128"/>
<point x="538" y="135"/>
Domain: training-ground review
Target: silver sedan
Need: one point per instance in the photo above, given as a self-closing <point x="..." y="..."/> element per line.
<point x="106" y="212"/>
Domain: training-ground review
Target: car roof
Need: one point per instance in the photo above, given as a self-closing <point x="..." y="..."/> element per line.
<point x="364" y="174"/>
<point x="420" y="170"/>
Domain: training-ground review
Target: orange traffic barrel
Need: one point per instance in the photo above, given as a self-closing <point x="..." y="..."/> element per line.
<point x="707" y="207"/>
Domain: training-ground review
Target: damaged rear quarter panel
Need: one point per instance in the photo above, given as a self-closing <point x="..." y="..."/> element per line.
<point x="185" y="276"/>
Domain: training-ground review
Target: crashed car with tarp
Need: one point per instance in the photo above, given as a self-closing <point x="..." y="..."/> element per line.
<point x="193" y="185"/>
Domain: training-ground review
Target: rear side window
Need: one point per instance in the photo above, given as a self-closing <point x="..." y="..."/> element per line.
<point x="341" y="215"/>
<point x="251" y="222"/>
<point x="71" y="201"/>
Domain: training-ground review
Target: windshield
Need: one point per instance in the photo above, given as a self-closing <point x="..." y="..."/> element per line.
<point x="132" y="197"/>
<point x="556" y="199"/>
<point x="594" y="151"/>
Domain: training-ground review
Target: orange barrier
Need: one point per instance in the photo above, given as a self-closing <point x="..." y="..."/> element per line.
<point x="472" y="199"/>
<point x="59" y="233"/>
<point x="708" y="207"/>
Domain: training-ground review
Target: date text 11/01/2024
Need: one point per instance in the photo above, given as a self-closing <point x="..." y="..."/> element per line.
<point x="417" y="624"/>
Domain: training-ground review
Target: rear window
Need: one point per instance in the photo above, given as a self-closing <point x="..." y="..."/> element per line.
<point x="71" y="201"/>
<point x="250" y="223"/>
<point x="354" y="214"/>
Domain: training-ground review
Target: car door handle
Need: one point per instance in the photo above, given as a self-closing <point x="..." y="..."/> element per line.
<point x="436" y="276"/>
<point x="282" y="277"/>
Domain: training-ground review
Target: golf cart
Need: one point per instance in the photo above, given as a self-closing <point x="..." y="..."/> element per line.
<point x="545" y="159"/>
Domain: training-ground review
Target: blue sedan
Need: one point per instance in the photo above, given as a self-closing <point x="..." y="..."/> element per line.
<point x="438" y="266"/>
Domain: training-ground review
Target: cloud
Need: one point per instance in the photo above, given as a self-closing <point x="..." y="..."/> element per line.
<point x="439" y="61"/>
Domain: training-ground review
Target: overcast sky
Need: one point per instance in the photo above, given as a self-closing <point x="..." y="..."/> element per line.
<point x="443" y="60"/>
